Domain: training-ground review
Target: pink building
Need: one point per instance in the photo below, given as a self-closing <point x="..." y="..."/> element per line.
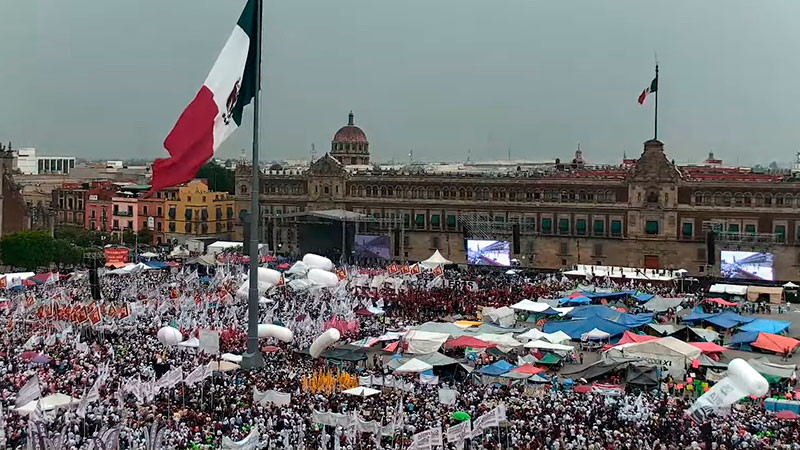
<point x="125" y="213"/>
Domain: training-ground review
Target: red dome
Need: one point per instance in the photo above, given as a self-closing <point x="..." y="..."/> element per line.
<point x="350" y="134"/>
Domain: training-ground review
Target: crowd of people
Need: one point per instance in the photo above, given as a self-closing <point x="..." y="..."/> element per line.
<point x="223" y="406"/>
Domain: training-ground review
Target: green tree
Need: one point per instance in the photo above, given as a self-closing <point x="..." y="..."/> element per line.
<point x="27" y="249"/>
<point x="145" y="236"/>
<point x="81" y="237"/>
<point x="66" y="253"/>
<point x="219" y="178"/>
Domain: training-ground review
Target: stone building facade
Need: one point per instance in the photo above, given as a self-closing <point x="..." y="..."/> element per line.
<point x="646" y="213"/>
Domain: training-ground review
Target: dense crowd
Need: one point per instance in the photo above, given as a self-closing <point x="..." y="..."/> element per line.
<point x="200" y="416"/>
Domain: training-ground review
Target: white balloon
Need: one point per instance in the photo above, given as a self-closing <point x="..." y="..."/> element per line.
<point x="322" y="278"/>
<point x="317" y="262"/>
<point x="266" y="275"/>
<point x="747" y="378"/>
<point x="169" y="336"/>
<point x="323" y="342"/>
<point x="299" y="268"/>
<point x="278" y="332"/>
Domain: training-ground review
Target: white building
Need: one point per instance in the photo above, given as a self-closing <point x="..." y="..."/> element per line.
<point x="26" y="161"/>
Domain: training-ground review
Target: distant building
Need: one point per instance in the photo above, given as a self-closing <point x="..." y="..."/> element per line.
<point x="69" y="204"/>
<point x="195" y="211"/>
<point x="649" y="212"/>
<point x="28" y="163"/>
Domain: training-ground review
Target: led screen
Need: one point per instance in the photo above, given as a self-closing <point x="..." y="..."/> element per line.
<point x="746" y="265"/>
<point x="488" y="253"/>
<point x="372" y="246"/>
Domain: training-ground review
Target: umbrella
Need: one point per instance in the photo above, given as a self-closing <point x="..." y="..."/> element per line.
<point x="583" y="389"/>
<point x="41" y="359"/>
<point x="284" y="266"/>
<point x="29" y="355"/>
<point x="461" y="415"/>
<point x="361" y="391"/>
<point x="786" y="415"/>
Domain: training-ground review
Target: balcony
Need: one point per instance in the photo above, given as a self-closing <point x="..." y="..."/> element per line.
<point x="123" y="213"/>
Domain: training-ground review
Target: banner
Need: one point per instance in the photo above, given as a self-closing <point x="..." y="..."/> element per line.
<point x="209" y="342"/>
<point x="249" y="443"/>
<point x="448" y="396"/>
<point x="427" y="439"/>
<point x="607" y="389"/>
<point x="116" y="255"/>
<point x="271" y="396"/>
<point x="459" y="433"/>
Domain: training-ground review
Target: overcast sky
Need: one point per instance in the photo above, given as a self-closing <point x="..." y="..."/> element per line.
<point x="108" y="79"/>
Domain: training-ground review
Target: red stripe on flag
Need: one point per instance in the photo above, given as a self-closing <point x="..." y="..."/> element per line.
<point x="642" y="96"/>
<point x="190" y="143"/>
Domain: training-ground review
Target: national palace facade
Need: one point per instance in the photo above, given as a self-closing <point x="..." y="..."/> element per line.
<point x="647" y="212"/>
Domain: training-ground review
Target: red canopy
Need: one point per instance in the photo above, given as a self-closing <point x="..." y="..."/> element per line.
<point x="775" y="342"/>
<point x="721" y="302"/>
<point x="391" y="347"/>
<point x="284" y="266"/>
<point x="583" y="389"/>
<point x="468" y="341"/>
<point x="633" y="338"/>
<point x="528" y="369"/>
<point x="709" y="347"/>
<point x="786" y="415"/>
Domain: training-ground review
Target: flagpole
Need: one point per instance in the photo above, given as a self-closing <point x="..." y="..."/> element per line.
<point x="655" y="124"/>
<point x="252" y="358"/>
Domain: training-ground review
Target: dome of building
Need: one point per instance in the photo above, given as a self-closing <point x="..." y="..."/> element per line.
<point x="350" y="145"/>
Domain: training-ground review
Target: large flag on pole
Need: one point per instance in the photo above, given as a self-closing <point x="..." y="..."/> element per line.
<point x="216" y="111"/>
<point x="649" y="90"/>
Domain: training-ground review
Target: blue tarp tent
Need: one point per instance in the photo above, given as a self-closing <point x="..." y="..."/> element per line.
<point x="767" y="326"/>
<point x="628" y="320"/>
<point x="697" y="315"/>
<point x="728" y="319"/>
<point x="745" y="337"/>
<point x="156" y="264"/>
<point x="608" y="295"/>
<point x="497" y="369"/>
<point x="641" y="297"/>
<point x="576" y="328"/>
<point x="566" y="301"/>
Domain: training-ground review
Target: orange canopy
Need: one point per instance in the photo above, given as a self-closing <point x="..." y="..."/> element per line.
<point x="709" y="347"/>
<point x="775" y="342"/>
<point x="629" y="338"/>
<point x="528" y="369"/>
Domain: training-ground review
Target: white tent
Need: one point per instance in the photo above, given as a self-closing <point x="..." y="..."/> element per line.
<point x="361" y="391"/>
<point x="533" y="334"/>
<point x="667" y="352"/>
<point x="48" y="403"/>
<point x="505" y="342"/>
<point x="424" y="342"/>
<point x="502" y="316"/>
<point x="148" y="255"/>
<point x="595" y="334"/>
<point x="224" y="366"/>
<point x="544" y="345"/>
<point x="558" y="337"/>
<point x="790" y="285"/>
<point x="414" y="365"/>
<point x="130" y="269"/>
<point x="231" y="357"/>
<point x="435" y="260"/>
<point x="732" y="289"/>
<point x="191" y="343"/>
<point x="179" y="252"/>
<point x="531" y="306"/>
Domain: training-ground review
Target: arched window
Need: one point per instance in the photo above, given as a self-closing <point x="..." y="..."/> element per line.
<point x="779" y="200"/>
<point x="384" y="191"/>
<point x="738" y="199"/>
<point x="726" y="199"/>
<point x="698" y="198"/>
<point x="767" y="199"/>
<point x="748" y="199"/>
<point x="758" y="200"/>
<point x="414" y="192"/>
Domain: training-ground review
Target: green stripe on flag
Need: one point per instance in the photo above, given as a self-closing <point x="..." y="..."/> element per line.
<point x="247" y="22"/>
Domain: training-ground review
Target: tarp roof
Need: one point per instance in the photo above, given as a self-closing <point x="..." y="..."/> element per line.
<point x="502" y="340"/>
<point x="725" y="319"/>
<point x="498" y="368"/>
<point x="744" y="337"/>
<point x="534" y="307"/>
<point x="765" y="367"/>
<point x="544" y="345"/>
<point x="666" y="330"/>
<point x="414" y="365"/>
<point x="731" y="289"/>
<point x="661" y="304"/>
<point x="346" y="353"/>
<point x="423" y="342"/>
<point x="529" y="369"/>
<point x="628" y="320"/>
<point x="583" y="300"/>
<point x="767" y="326"/>
<point x="706" y="335"/>
<point x="629" y="337"/>
<point x="721" y="302"/>
<point x="576" y="328"/>
<point x="468" y="341"/>
<point x="775" y="342"/>
<point x="434" y="359"/>
<point x="595" y="335"/>
<point x="708" y="347"/>
<point x="435" y="260"/>
<point x="156" y="264"/>
<point x="642" y="375"/>
<point x="706" y="361"/>
<point x="668" y="346"/>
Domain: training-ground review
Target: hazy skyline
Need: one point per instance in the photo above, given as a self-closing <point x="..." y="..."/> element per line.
<point x="109" y="79"/>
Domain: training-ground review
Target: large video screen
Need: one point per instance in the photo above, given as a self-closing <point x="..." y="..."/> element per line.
<point x="372" y="246"/>
<point x="747" y="265"/>
<point x="488" y="253"/>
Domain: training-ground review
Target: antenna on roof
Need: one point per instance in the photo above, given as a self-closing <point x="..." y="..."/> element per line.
<point x="469" y="154"/>
<point x="509" y="153"/>
<point x="313" y="152"/>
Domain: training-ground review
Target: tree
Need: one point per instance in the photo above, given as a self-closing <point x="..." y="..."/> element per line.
<point x="66" y="253"/>
<point x="27" y="249"/>
<point x="146" y="236"/>
<point x="81" y="237"/>
<point x="219" y="178"/>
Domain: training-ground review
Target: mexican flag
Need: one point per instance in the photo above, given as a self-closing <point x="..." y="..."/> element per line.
<point x="216" y="111"/>
<point x="653" y="88"/>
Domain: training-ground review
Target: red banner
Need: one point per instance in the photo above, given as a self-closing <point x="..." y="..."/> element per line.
<point x="116" y="255"/>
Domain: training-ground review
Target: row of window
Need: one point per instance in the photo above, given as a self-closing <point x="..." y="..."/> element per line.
<point x="745" y="199"/>
<point x="202" y="228"/>
<point x="70" y="203"/>
<point x="500" y="194"/>
<point x="201" y="214"/>
<point x="778" y="229"/>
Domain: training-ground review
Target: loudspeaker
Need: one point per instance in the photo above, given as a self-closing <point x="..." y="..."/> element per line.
<point x="711" y="250"/>
<point x="94" y="281"/>
<point x="396" y="239"/>
<point x="515" y="238"/>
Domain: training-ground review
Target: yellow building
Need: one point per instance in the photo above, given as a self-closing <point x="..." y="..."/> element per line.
<point x="198" y="212"/>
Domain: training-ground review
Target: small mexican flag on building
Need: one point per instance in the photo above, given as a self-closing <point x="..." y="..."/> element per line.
<point x="216" y="111"/>
<point x="653" y="88"/>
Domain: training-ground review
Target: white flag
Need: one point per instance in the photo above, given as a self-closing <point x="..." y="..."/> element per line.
<point x="209" y="342"/>
<point x="29" y="392"/>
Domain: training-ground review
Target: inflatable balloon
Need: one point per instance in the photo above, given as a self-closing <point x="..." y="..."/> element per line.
<point x="323" y="342"/>
<point x="169" y="336"/>
<point x="742" y="381"/>
<point x="322" y="278"/>
<point x="276" y="331"/>
<point x="299" y="268"/>
<point x="317" y="262"/>
<point x="270" y="276"/>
